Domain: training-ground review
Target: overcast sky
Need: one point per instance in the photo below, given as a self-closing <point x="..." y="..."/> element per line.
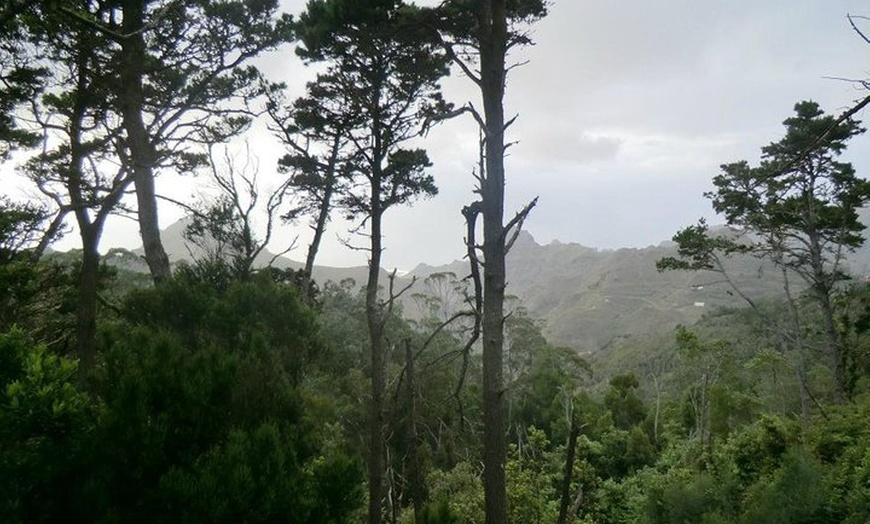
<point x="626" y="110"/>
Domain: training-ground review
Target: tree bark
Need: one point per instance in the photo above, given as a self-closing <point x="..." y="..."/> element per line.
<point x="141" y="150"/>
<point x="415" y="475"/>
<point x="86" y="308"/>
<point x="374" y="317"/>
<point x="835" y="346"/>
<point x="569" y="471"/>
<point x="322" y="217"/>
<point x="493" y="46"/>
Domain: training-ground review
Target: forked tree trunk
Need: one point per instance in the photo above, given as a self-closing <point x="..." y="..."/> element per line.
<point x="141" y="150"/>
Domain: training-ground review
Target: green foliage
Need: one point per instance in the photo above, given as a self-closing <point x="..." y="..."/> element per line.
<point x="621" y="399"/>
<point x="462" y="487"/>
<point x="258" y="316"/>
<point x="194" y="417"/>
<point x="799" y="188"/>
<point x="256" y="475"/>
<point x="684" y="497"/>
<point x="46" y="426"/>
<point x="792" y="495"/>
<point x="381" y="86"/>
<point x="439" y="512"/>
<point x="203" y="415"/>
<point x="35" y="295"/>
<point x="698" y="249"/>
<point x="797" y="209"/>
<point x="459" y="19"/>
<point x="21" y="79"/>
<point x="532" y="471"/>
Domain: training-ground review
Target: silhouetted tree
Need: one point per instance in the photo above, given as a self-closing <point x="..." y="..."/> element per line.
<point x="382" y="75"/>
<point x="180" y="74"/>
<point x="478" y="36"/>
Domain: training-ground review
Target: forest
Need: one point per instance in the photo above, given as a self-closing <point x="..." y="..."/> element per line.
<point x="227" y="390"/>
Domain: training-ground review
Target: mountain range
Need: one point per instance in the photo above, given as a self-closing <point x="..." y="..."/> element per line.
<point x="585" y="298"/>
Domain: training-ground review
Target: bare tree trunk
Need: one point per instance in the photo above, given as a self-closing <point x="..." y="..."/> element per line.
<point x="804" y="395"/>
<point x="374" y="316"/>
<point x="141" y="150"/>
<point x="415" y="475"/>
<point x="569" y="472"/>
<point x="493" y="47"/>
<point x="658" y="408"/>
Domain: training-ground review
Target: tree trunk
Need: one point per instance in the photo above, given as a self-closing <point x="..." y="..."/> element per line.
<point x="492" y="61"/>
<point x="374" y="316"/>
<point x="569" y="471"/>
<point x="141" y="151"/>
<point x="322" y="218"/>
<point x="835" y="352"/>
<point x="86" y="310"/>
<point x="415" y="475"/>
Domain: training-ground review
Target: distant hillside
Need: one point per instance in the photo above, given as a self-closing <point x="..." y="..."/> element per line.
<point x="587" y="298"/>
<point x="180" y="249"/>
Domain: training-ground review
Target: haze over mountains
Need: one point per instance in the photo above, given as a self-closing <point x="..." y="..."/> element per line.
<point x="586" y="298"/>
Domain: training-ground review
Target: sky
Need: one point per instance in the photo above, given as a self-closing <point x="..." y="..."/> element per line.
<point x="625" y="111"/>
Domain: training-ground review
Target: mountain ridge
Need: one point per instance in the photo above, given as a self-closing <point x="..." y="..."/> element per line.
<point x="586" y="298"/>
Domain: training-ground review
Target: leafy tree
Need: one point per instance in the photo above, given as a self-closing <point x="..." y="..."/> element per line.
<point x="798" y="209"/>
<point x="20" y="226"/>
<point x="793" y="494"/>
<point x="803" y="203"/>
<point x="318" y="163"/>
<point x="204" y="420"/>
<point x="621" y="399"/>
<point x="23" y="231"/>
<point x="76" y="167"/>
<point x="21" y="78"/>
<point x="178" y="74"/>
<point x="384" y="75"/>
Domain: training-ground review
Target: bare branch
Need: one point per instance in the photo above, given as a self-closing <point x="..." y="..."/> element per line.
<point x="515" y="65"/>
<point x="395" y="296"/>
<point x="516" y="224"/>
<point x="855" y="28"/>
<point x="471" y="213"/>
<point x="477" y="116"/>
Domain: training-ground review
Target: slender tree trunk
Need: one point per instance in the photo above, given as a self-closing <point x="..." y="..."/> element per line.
<point x="141" y="150"/>
<point x="658" y="409"/>
<point x="569" y="472"/>
<point x="804" y="395"/>
<point x="797" y="329"/>
<point x="314" y="246"/>
<point x="374" y="316"/>
<point x="322" y="217"/>
<point x="492" y="61"/>
<point x="415" y="475"/>
<point x="48" y="236"/>
<point x="835" y="347"/>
